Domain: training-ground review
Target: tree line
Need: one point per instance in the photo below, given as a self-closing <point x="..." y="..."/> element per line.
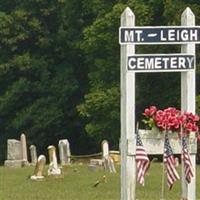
<point x="60" y="69"/>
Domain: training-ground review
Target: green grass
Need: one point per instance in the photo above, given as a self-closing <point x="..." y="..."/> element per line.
<point x="78" y="185"/>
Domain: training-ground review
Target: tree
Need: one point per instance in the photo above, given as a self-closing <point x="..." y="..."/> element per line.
<point x="39" y="72"/>
<point x="101" y="105"/>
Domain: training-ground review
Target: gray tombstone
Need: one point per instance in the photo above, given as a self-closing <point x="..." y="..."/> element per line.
<point x="14" y="153"/>
<point x="64" y="152"/>
<point x="33" y="154"/>
<point x="14" y="149"/>
<point x="24" y="149"/>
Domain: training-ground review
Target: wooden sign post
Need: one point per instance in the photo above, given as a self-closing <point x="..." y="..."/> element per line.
<point x="188" y="101"/>
<point x="188" y="34"/>
<point x="128" y="167"/>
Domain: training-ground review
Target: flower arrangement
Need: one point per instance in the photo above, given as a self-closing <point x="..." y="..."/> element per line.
<point x="171" y="119"/>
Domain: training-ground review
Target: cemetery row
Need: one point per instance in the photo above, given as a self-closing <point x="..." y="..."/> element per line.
<point x="17" y="157"/>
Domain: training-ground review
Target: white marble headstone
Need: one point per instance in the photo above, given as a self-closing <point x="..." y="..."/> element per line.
<point x="24" y="147"/>
<point x="64" y="151"/>
<point x="105" y="148"/>
<point x="53" y="165"/>
<point x="33" y="154"/>
<point x="39" y="168"/>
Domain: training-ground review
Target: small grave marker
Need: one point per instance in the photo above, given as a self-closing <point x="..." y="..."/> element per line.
<point x="53" y="164"/>
<point x="108" y="162"/>
<point x="64" y="152"/>
<point x="33" y="154"/>
<point x="39" y="168"/>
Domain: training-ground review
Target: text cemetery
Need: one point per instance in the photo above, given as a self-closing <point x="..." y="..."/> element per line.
<point x="159" y="62"/>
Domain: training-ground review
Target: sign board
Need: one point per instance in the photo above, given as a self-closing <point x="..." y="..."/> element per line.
<point x="159" y="35"/>
<point x="188" y="35"/>
<point x="161" y="62"/>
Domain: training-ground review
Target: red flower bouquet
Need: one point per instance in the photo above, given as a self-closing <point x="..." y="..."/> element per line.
<point x="171" y="119"/>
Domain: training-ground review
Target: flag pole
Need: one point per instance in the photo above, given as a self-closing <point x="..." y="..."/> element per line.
<point x="163" y="171"/>
<point x="183" y="182"/>
<point x="136" y="133"/>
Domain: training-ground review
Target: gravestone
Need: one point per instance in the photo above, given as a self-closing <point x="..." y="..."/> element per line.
<point x="33" y="154"/>
<point x="96" y="164"/>
<point x="14" y="149"/>
<point x="39" y="168"/>
<point x="64" y="152"/>
<point x="14" y="156"/>
<point x="24" y="149"/>
<point x="53" y="165"/>
<point x="108" y="162"/>
<point x="16" y="152"/>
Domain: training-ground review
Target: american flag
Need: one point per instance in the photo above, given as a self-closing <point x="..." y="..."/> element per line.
<point x="142" y="160"/>
<point x="170" y="164"/>
<point x="186" y="161"/>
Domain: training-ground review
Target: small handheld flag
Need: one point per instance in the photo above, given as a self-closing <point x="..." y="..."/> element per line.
<point x="170" y="164"/>
<point x="142" y="160"/>
<point x="186" y="161"/>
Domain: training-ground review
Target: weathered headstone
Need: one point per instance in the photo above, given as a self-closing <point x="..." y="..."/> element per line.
<point x="39" y="168"/>
<point x="14" y="156"/>
<point x="16" y="152"/>
<point x="107" y="160"/>
<point x="33" y="154"/>
<point x="53" y="165"/>
<point x="105" y="148"/>
<point x="64" y="152"/>
<point x="97" y="162"/>
<point x="14" y="149"/>
<point x="24" y="149"/>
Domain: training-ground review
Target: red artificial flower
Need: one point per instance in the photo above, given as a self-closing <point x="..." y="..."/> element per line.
<point x="171" y="119"/>
<point x="148" y="112"/>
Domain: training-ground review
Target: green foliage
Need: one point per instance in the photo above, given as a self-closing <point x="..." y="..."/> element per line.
<point x="105" y="124"/>
<point x="39" y="76"/>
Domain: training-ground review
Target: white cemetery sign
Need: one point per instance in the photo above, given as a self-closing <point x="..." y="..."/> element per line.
<point x="161" y="62"/>
<point x="188" y="34"/>
<point x="160" y="35"/>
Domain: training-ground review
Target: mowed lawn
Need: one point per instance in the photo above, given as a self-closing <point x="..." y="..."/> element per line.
<point x="78" y="184"/>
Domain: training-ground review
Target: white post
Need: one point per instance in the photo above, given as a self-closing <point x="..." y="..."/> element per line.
<point x="188" y="101"/>
<point x="128" y="166"/>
